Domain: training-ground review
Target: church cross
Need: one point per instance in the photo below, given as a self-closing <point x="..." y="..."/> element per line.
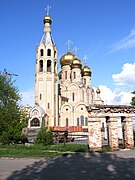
<point x="68" y="43"/>
<point x="75" y="50"/>
<point x="47" y="9"/>
<point x="85" y="58"/>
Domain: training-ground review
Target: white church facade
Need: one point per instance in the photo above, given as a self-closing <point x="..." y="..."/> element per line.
<point x="60" y="97"/>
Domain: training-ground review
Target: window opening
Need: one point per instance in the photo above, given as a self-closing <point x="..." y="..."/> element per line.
<point x="49" y="52"/>
<point x="49" y="66"/>
<point x="41" y="66"/>
<point x="65" y="74"/>
<point x="73" y="96"/>
<point x="41" y="52"/>
<point x="74" y="75"/>
<point x="66" y="121"/>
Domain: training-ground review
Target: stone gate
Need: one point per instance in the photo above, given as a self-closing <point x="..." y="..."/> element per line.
<point x="110" y="114"/>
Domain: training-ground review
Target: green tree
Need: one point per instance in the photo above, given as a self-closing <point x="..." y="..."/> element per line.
<point x="10" y="114"/>
<point x="44" y="137"/>
<point x="133" y="99"/>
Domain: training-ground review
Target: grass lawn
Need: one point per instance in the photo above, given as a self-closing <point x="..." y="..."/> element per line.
<point x="22" y="151"/>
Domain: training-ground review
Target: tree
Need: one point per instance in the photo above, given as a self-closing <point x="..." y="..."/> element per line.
<point x="133" y="99"/>
<point x="10" y="114"/>
<point x="44" y="137"/>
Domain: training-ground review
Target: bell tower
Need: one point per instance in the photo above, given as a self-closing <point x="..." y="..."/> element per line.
<point x="46" y="75"/>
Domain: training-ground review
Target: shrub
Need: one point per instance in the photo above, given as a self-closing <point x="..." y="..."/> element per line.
<point x="44" y="137"/>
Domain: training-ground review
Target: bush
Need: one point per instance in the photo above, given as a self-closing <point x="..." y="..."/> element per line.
<point x="44" y="137"/>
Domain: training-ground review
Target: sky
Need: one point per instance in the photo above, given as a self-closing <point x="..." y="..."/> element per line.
<point x="102" y="30"/>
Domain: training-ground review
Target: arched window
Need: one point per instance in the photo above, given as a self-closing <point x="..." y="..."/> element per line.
<point x="49" y="66"/>
<point x="54" y="54"/>
<point x="48" y="52"/>
<point x="74" y="75"/>
<point x="65" y="74"/>
<point x="82" y="120"/>
<point x="73" y="96"/>
<point x="35" y="122"/>
<point x="41" y="66"/>
<point x="41" y="52"/>
<point x="86" y="121"/>
<point x="66" y="121"/>
<point x="77" y="121"/>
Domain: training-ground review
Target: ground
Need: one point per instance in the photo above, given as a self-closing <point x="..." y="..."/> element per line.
<point x="75" y="166"/>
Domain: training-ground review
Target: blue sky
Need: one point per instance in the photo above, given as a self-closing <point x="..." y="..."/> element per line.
<point x="102" y="30"/>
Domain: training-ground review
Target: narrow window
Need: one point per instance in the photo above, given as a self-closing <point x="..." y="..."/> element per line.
<point x="49" y="66"/>
<point x="48" y="105"/>
<point x="82" y="120"/>
<point x="54" y="121"/>
<point x="65" y="74"/>
<point x="74" y="75"/>
<point x="73" y="96"/>
<point x="41" y="52"/>
<point x="41" y="66"/>
<point x="55" y="67"/>
<point x="40" y="96"/>
<point x="66" y="121"/>
<point x="84" y="81"/>
<point x="86" y="121"/>
<point x="77" y="121"/>
<point x="49" y="52"/>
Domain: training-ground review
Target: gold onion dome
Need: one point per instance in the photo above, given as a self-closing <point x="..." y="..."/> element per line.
<point x="76" y="63"/>
<point x="67" y="59"/>
<point x="86" y="71"/>
<point x="98" y="91"/>
<point x="47" y="19"/>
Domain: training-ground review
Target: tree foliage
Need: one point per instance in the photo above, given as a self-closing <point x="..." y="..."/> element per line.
<point x="44" y="137"/>
<point x="133" y="99"/>
<point x="10" y="114"/>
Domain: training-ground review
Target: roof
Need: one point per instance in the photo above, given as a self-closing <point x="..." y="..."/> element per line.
<point x="47" y="38"/>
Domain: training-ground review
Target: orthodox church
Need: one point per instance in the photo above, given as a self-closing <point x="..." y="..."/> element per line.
<point x="60" y="97"/>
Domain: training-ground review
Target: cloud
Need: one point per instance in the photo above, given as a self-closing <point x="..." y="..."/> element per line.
<point x="27" y="98"/>
<point x="125" y="43"/>
<point x="125" y="84"/>
<point x="126" y="76"/>
<point x="115" y="97"/>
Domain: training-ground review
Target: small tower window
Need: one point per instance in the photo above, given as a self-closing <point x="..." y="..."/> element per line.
<point x="74" y="75"/>
<point x="84" y="81"/>
<point x="65" y="74"/>
<point x="66" y="121"/>
<point x="41" y="66"/>
<point x="49" y="66"/>
<point x="54" y="54"/>
<point x="73" y="96"/>
<point x="41" y="52"/>
<point x="48" y="105"/>
<point x="48" y="52"/>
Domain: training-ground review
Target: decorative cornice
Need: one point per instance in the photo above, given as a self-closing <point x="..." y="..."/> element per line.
<point x="111" y="109"/>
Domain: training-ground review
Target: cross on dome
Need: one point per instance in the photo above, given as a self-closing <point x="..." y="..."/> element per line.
<point x="68" y="43"/>
<point x="75" y="50"/>
<point x="47" y="9"/>
<point x="85" y="58"/>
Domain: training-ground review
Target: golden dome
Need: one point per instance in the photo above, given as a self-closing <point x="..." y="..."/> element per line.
<point x="67" y="58"/>
<point x="76" y="63"/>
<point x="86" y="71"/>
<point x="98" y="91"/>
<point x="47" y="19"/>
